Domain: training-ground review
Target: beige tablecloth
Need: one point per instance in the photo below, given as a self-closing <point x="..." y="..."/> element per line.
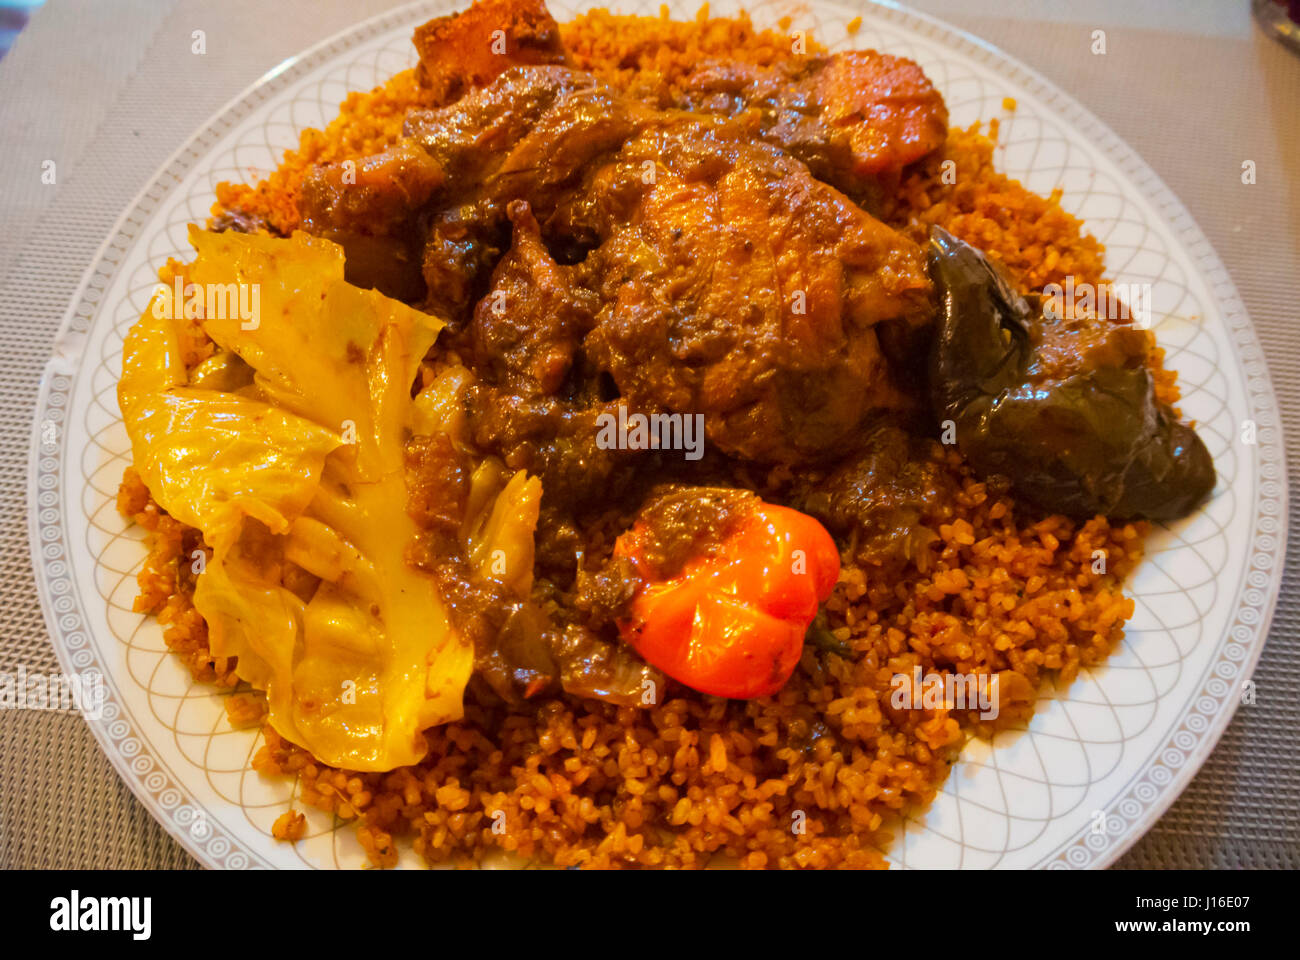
<point x="94" y="87"/>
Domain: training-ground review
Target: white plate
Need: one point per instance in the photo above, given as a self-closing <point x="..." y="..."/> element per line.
<point x="1095" y="767"/>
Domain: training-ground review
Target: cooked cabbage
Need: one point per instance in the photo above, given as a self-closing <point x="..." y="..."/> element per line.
<point x="304" y="465"/>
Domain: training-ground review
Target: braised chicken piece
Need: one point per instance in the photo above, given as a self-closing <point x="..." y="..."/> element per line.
<point x="856" y="119"/>
<point x="739" y="287"/>
<point x="472" y="48"/>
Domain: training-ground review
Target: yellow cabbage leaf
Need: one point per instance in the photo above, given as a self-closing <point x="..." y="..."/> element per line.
<point x="504" y="516"/>
<point x="503" y="507"/>
<point x="305" y="465"/>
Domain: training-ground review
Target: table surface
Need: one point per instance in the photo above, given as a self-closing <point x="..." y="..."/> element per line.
<point x="93" y="86"/>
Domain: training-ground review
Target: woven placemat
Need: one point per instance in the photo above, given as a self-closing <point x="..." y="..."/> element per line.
<point x="108" y="91"/>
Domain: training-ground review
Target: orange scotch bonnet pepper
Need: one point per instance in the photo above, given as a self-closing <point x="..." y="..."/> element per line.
<point x="732" y="621"/>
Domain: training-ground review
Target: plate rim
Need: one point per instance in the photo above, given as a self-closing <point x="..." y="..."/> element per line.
<point x="69" y="346"/>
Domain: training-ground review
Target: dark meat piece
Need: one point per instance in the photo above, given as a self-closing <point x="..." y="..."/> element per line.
<point x="519" y="650"/>
<point x="855" y="118"/>
<point x="390" y="211"/>
<point x="527" y="329"/>
<point x="883" y="500"/>
<point x="472" y="48"/>
<point x="374" y="195"/>
<point x="528" y="136"/>
<point x="585" y="125"/>
<point x="681" y="523"/>
<point x="370" y="207"/>
<point x="473" y="137"/>
<point x="605" y="593"/>
<point x="738" y="286"/>
<point x="593" y="667"/>
<point x="1066" y="409"/>
<point x="741" y="288"/>
<point x="556" y="440"/>
<point x="461" y="247"/>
